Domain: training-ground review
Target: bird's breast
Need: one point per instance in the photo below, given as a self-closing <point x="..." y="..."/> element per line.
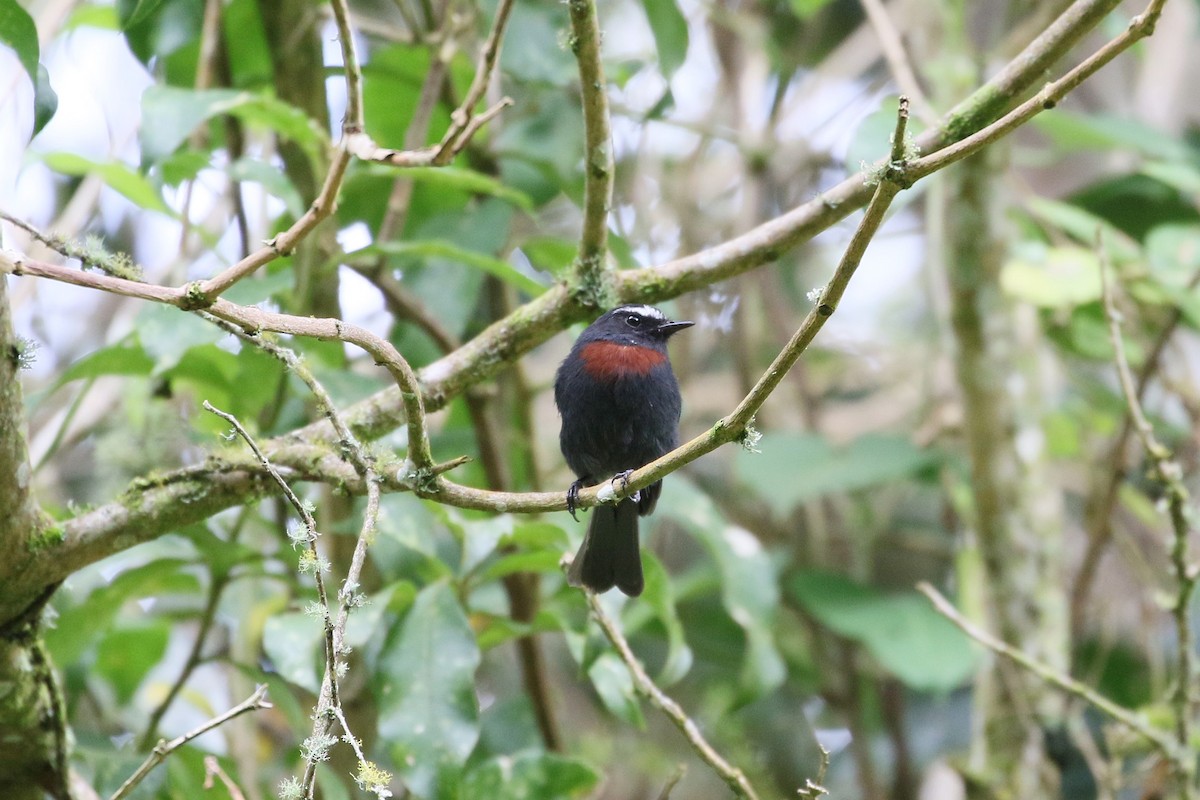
<point x="609" y="360"/>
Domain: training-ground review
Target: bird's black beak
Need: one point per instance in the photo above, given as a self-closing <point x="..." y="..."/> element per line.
<point x="669" y="328"/>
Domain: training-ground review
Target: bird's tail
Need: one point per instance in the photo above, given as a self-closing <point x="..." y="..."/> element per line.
<point x="609" y="555"/>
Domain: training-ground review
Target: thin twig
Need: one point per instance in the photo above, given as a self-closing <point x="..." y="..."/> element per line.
<point x="1131" y="720"/>
<point x="309" y="539"/>
<point x="896" y="56"/>
<point x="164" y="748"/>
<point x="349" y="595"/>
<point x="464" y="122"/>
<point x="590" y="263"/>
<point x="811" y="789"/>
<point x="212" y="769"/>
<point x="1183" y="698"/>
<point x="673" y="781"/>
<point x="732" y="776"/>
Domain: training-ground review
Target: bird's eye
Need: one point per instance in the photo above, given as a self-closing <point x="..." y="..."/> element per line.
<point x="634" y="321"/>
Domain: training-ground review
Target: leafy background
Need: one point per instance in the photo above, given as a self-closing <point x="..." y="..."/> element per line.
<point x="779" y="607"/>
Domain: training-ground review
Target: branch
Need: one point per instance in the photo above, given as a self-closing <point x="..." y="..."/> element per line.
<point x="164" y="748"/>
<point x="1162" y="742"/>
<point x="464" y="122"/>
<point x="732" y="776"/>
<point x="1183" y="698"/>
<point x="590" y="274"/>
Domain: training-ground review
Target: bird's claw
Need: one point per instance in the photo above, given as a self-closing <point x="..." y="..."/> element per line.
<point x="573" y="498"/>
<point x="623" y="479"/>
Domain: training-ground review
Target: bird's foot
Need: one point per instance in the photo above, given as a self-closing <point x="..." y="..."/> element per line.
<point x="622" y="478"/>
<point x="573" y="497"/>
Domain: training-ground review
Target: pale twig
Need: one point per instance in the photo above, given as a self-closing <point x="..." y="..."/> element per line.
<point x="590" y="268"/>
<point x="1131" y="720"/>
<point x="463" y="119"/>
<point x="732" y="776"/>
<point x="464" y="122"/>
<point x="363" y="464"/>
<point x="1168" y="470"/>
<point x="164" y="748"/>
<point x="212" y="769"/>
<point x="673" y="781"/>
<point x="811" y="789"/>
<point x="314" y="562"/>
<point x="897" y="58"/>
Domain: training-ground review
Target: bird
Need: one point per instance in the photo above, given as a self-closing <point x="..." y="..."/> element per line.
<point x="620" y="406"/>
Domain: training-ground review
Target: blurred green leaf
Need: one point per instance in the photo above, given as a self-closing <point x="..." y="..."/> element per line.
<point x="459" y="179"/>
<point x="749" y="585"/>
<point x="271" y="178"/>
<point x="448" y="250"/>
<point x="793" y="469"/>
<point x="534" y="46"/>
<point x="118" y="359"/>
<point x="45" y="99"/>
<point x="171" y="115"/>
<point x="1173" y="253"/>
<point x="294" y="643"/>
<point x="670" y="31"/>
<point x="428" y="713"/>
<point x="1083" y="226"/>
<point x="17" y="30"/>
<point x="807" y="8"/>
<point x="1052" y="277"/>
<point x="545" y="776"/>
<point x="117" y="176"/>
<point x="1073" y="131"/>
<point x="902" y="632"/>
<point x="93" y="15"/>
<point x="614" y="684"/>
<point x="660" y="596"/>
<point x="127" y="653"/>
<point x="90" y="617"/>
<point x="166" y="334"/>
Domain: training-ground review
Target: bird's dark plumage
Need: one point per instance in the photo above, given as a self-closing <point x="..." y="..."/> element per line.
<point x="620" y="407"/>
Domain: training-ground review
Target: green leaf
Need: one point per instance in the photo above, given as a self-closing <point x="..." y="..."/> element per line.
<point x="119" y="359"/>
<point x="614" y="684"/>
<point x="546" y="776"/>
<point x="749" y="586"/>
<point x="18" y="31"/>
<point x="430" y="249"/>
<point x="171" y="114"/>
<point x="126" y="654"/>
<point x="294" y="643"/>
<point x="166" y="334"/>
<point x="458" y="179"/>
<point x="793" y="469"/>
<point x="427" y="708"/>
<point x="670" y="31"/>
<point x="1173" y="253"/>
<point x="1072" y="132"/>
<point x="902" y="632"/>
<point x="1083" y="226"/>
<point x="116" y="175"/>
<point x="91" y="616"/>
<point x="660" y="597"/>
<point x="45" y="100"/>
<point x="93" y="15"/>
<point x="807" y="8"/>
<point x="271" y="178"/>
<point x="1053" y="277"/>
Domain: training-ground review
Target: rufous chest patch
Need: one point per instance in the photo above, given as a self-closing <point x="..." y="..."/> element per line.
<point x="609" y="360"/>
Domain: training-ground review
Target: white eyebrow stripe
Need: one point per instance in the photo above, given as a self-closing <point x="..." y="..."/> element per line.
<point x="645" y="311"/>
